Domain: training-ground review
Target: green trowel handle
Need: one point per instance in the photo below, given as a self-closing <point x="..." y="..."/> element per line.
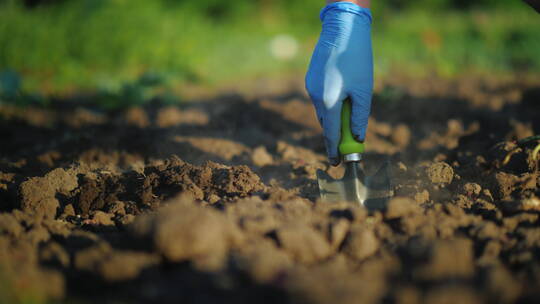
<point x="348" y="144"/>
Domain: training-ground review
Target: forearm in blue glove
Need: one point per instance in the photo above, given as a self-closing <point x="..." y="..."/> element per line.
<point x="341" y="67"/>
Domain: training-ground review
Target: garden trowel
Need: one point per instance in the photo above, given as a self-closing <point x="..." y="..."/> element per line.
<point x="355" y="187"/>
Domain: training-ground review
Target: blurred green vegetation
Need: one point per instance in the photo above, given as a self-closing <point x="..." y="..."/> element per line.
<point x="63" y="46"/>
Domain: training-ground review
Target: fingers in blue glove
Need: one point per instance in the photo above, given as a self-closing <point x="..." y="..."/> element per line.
<point x="331" y="122"/>
<point x="328" y="104"/>
<point x="361" y="108"/>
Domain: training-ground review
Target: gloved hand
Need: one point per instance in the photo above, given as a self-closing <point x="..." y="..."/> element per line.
<point x="341" y="67"/>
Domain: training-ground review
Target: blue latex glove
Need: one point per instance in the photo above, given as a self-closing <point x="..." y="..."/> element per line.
<point x="341" y="67"/>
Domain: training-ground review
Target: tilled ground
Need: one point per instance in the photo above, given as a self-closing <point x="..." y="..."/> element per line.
<point x="216" y="200"/>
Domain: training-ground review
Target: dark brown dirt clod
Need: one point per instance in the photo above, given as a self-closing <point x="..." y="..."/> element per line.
<point x="401" y="135"/>
<point x="401" y="207"/>
<point x="303" y="243"/>
<point x="9" y="225"/>
<point x="38" y="194"/>
<point x="261" y="157"/>
<point x="449" y="259"/>
<point x="123" y="266"/>
<point x="183" y="231"/>
<point x="440" y="173"/>
<point x="362" y="243"/>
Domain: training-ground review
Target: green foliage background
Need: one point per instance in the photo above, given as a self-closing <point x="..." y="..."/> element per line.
<point x="68" y="45"/>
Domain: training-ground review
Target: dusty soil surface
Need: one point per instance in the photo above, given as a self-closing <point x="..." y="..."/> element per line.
<point x="216" y="200"/>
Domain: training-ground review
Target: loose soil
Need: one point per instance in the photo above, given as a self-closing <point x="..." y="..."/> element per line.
<point x="216" y="200"/>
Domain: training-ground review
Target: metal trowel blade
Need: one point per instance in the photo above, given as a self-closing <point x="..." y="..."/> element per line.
<point x="370" y="191"/>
